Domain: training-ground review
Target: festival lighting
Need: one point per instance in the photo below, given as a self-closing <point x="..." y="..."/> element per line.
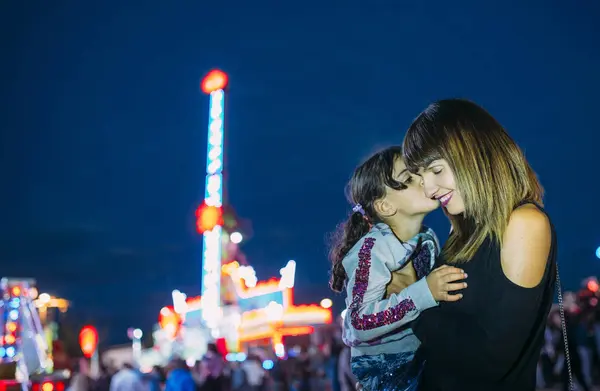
<point x="236" y="238"/>
<point x="88" y="340"/>
<point x="209" y="216"/>
<point x="179" y="302"/>
<point x="592" y="285"/>
<point x="169" y="321"/>
<point x="288" y="275"/>
<point x="326" y="303"/>
<point x="598" y="252"/>
<point x="273" y="314"/>
<point x="137" y="334"/>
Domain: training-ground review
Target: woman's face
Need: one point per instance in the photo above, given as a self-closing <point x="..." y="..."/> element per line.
<point x="439" y="184"/>
<point x="410" y="201"/>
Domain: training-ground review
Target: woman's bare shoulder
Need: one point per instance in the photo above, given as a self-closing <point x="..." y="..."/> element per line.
<point x="526" y="246"/>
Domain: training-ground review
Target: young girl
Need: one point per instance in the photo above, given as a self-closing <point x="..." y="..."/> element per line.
<point x="385" y="234"/>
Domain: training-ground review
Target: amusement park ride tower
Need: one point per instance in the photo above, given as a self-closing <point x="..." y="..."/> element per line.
<point x="235" y="309"/>
<point x="210" y="214"/>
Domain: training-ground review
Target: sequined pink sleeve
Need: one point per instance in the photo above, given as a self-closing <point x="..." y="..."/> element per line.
<point x="372" y="316"/>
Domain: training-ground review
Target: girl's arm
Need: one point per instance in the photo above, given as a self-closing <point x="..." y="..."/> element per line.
<point x="370" y="316"/>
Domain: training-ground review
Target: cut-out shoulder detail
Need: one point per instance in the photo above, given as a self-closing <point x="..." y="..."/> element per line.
<point x="526" y="246"/>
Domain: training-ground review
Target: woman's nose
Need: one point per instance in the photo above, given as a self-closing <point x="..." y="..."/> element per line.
<point x="428" y="188"/>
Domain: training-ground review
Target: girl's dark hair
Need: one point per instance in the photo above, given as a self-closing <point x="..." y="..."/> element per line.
<point x="367" y="185"/>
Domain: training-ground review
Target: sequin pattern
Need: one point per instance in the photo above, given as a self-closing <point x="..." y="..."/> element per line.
<point x="422" y="261"/>
<point x="387" y="372"/>
<point x="361" y="283"/>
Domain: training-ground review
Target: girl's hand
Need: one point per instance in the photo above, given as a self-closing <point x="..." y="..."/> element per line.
<point x="401" y="279"/>
<point x="442" y="280"/>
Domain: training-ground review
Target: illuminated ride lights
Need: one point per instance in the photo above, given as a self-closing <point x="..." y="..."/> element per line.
<point x="11" y="321"/>
<point x="267" y="307"/>
<point x="209" y="216"/>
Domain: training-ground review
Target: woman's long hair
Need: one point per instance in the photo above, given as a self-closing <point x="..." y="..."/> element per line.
<point x="490" y="170"/>
<point x="367" y="185"/>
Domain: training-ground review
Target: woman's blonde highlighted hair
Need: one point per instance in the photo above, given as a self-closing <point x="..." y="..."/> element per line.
<point x="490" y="170"/>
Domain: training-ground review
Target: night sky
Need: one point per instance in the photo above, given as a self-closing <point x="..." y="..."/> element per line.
<point x="103" y="128"/>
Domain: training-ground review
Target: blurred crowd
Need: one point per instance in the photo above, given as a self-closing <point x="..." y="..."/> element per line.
<point x="312" y="367"/>
<point x="323" y="363"/>
<point x="582" y="321"/>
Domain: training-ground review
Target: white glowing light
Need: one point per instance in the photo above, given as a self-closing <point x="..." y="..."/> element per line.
<point x="274" y="311"/>
<point x="279" y="350"/>
<point x="138" y="334"/>
<point x="236" y="237"/>
<point x="213" y="196"/>
<point x="326" y="303"/>
<point x="248" y="274"/>
<point x="288" y="275"/>
<point x="179" y="302"/>
<point x="44" y="298"/>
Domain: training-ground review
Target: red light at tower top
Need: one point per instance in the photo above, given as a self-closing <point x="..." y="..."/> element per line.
<point x="215" y="80"/>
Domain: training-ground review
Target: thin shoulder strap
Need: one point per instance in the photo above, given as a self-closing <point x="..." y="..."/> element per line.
<point x="561" y="309"/>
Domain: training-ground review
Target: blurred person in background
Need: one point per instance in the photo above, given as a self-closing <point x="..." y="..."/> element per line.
<point x="346" y="378"/>
<point x="303" y="370"/>
<point x="254" y="374"/>
<point x="102" y="382"/>
<point x="155" y="378"/>
<point x="80" y="380"/>
<point x="179" y="377"/>
<point x="335" y="348"/>
<point x="575" y="337"/>
<point x="215" y="365"/>
<point x="127" y="379"/>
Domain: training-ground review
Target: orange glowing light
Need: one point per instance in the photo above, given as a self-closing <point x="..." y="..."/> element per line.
<point x="593" y="286"/>
<point x="88" y="340"/>
<point x="275" y="334"/>
<point x="214" y="80"/>
<point x="169" y="321"/>
<point x="9" y="339"/>
<point x="47" y="386"/>
<point x="11" y="327"/>
<point x="16" y="291"/>
<point x="208" y="217"/>
<point x="290" y="331"/>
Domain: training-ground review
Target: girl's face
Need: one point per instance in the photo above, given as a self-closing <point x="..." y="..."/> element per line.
<point x="439" y="184"/>
<point x="412" y="200"/>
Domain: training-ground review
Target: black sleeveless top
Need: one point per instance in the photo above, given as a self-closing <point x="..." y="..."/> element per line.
<point x="490" y="340"/>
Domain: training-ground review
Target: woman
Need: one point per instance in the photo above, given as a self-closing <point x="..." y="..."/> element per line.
<point x="501" y="237"/>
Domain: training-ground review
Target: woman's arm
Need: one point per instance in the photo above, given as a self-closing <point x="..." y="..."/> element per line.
<point x="453" y="338"/>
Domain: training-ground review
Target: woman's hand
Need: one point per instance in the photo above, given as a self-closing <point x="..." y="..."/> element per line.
<point x="401" y="279"/>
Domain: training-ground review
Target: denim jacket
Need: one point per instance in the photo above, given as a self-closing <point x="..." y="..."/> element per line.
<point x="374" y="324"/>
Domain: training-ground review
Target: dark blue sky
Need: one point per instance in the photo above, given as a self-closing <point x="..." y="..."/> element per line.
<point x="103" y="128"/>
